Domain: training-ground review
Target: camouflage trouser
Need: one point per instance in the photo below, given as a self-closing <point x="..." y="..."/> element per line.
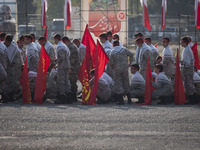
<point x="33" y="65"/>
<point x="136" y="93"/>
<point x="73" y="80"/>
<point x="63" y="81"/>
<point x="188" y="80"/>
<point x="122" y="85"/>
<point x="52" y="85"/>
<point x="104" y="92"/>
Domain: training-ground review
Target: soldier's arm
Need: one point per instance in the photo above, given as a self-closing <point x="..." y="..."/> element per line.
<point x="74" y="57"/>
<point x="156" y="85"/>
<point x="52" y="54"/>
<point x="130" y="54"/>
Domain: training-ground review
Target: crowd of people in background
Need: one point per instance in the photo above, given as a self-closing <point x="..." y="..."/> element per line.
<point x="114" y="84"/>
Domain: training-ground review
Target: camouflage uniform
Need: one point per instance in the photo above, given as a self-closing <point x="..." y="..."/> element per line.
<point x="119" y="64"/>
<point x="196" y="80"/>
<point x="14" y="65"/>
<point x="63" y="66"/>
<point x="155" y="54"/>
<point x="75" y="66"/>
<point x="142" y="55"/>
<point x="137" y="85"/>
<point x="81" y="52"/>
<point x="168" y="62"/>
<point x="188" y="70"/>
<point x="50" y="50"/>
<point x="104" y="91"/>
<point x="163" y="86"/>
<point x="3" y="66"/>
<point x="32" y="57"/>
<point x="52" y="86"/>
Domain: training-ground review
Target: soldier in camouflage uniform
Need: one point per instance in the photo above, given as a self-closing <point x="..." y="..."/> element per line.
<point x="154" y="53"/>
<point x="168" y="61"/>
<point x="144" y="51"/>
<point x="3" y="71"/>
<point x="162" y="85"/>
<point x="119" y="64"/>
<point x="75" y="66"/>
<point x="14" y="65"/>
<point x="32" y="54"/>
<point x="104" y="90"/>
<point x="64" y="68"/>
<point x="81" y="50"/>
<point x="187" y="69"/>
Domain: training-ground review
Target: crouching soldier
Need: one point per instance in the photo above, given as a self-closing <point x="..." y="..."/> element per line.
<point x="104" y="91"/>
<point x="137" y="84"/>
<point x="162" y="85"/>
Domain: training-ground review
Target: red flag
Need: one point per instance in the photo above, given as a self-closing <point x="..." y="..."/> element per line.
<point x="196" y="55"/>
<point x="40" y="85"/>
<point x="43" y="13"/>
<point x="25" y="85"/>
<point x="67" y="14"/>
<point x="148" y="87"/>
<point x="146" y="15"/>
<point x="164" y="10"/>
<point x="179" y="92"/>
<point x="45" y="33"/>
<point x="101" y="59"/>
<point x="87" y="65"/>
<point x="197" y="13"/>
<point x="156" y="45"/>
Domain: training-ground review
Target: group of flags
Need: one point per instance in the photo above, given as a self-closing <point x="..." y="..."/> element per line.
<point x="164" y="12"/>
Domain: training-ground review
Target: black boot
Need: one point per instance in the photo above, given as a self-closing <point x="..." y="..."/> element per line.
<point x="140" y="100"/>
<point x="100" y="101"/>
<point x="61" y="99"/>
<point x="69" y="98"/>
<point x="4" y="98"/>
<point x="191" y="100"/>
<point x="163" y="100"/>
<point x="129" y="98"/>
<point x="120" y="99"/>
<point x="74" y="98"/>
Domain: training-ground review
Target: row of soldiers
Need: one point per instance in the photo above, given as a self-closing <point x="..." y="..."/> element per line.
<point x="162" y="67"/>
<point x="63" y="69"/>
<point x="114" y="83"/>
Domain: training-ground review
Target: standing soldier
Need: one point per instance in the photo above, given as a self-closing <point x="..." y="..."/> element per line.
<point x="119" y="64"/>
<point x="81" y="50"/>
<point x="168" y="61"/>
<point x="144" y="51"/>
<point x="3" y="71"/>
<point x="36" y="43"/>
<point x="110" y="36"/>
<point x="154" y="52"/>
<point x="106" y="44"/>
<point x="32" y="54"/>
<point x="14" y="65"/>
<point x="75" y="66"/>
<point x="188" y="69"/>
<point x="20" y="45"/>
<point x="64" y="68"/>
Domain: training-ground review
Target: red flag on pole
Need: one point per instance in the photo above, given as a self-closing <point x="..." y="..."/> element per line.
<point x="87" y="66"/>
<point x="25" y="85"/>
<point x="43" y="13"/>
<point x="45" y="33"/>
<point x="40" y="85"/>
<point x="100" y="59"/>
<point x="196" y="55"/>
<point x="179" y="92"/>
<point x="148" y="87"/>
<point x="67" y="14"/>
<point x="146" y="15"/>
<point x="197" y="13"/>
<point x="164" y="11"/>
<point x="156" y="45"/>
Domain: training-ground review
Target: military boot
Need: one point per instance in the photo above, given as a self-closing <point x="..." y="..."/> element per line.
<point x="129" y="98"/>
<point x="163" y="100"/>
<point x="120" y="99"/>
<point x="191" y="100"/>
<point x="4" y="98"/>
<point x="61" y="99"/>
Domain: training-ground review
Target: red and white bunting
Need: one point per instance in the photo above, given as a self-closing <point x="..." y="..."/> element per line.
<point x="197" y="13"/>
<point x="67" y="14"/>
<point x="43" y="13"/>
<point x="164" y="11"/>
